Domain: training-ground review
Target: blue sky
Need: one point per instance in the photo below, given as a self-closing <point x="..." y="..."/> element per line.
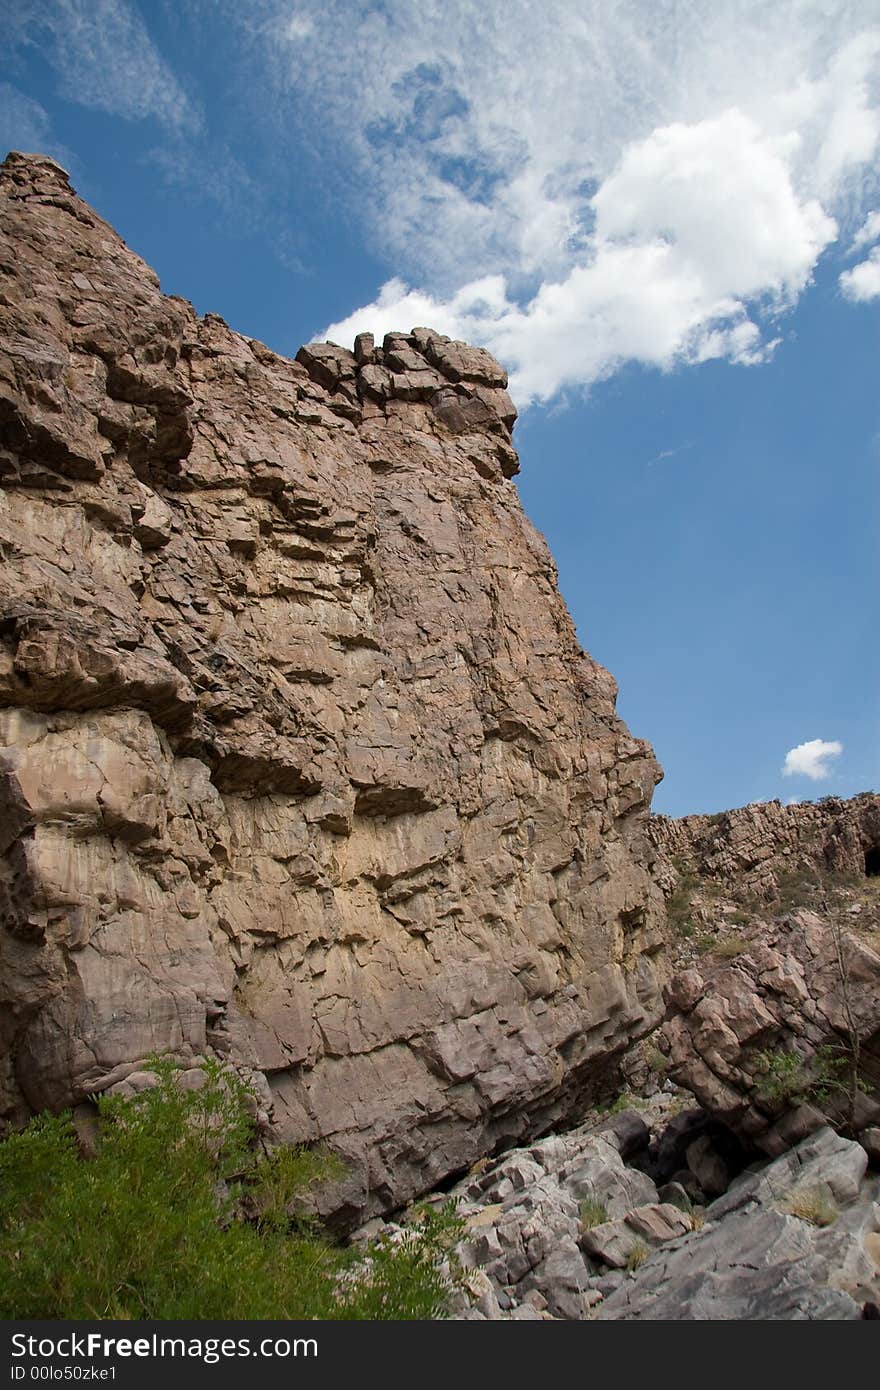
<point x="663" y="215"/>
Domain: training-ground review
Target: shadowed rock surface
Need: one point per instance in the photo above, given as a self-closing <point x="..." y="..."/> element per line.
<point x="301" y="760"/>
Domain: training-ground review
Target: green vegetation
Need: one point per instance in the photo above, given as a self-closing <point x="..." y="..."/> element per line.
<point x="799" y="888"/>
<point x="789" y="1077"/>
<point x="729" y="946"/>
<point x="678" y="906"/>
<point x="178" y="1215"/>
<point x="656" y="1060"/>
<point x="624" y="1101"/>
<point x="593" y="1211"/>
<point x="708" y="943"/>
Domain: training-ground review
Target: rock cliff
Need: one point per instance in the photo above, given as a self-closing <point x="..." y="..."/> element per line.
<point x="774" y="1015"/>
<point x="301" y="761"/>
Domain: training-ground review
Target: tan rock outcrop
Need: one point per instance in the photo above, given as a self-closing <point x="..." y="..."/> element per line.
<point x="301" y="761"/>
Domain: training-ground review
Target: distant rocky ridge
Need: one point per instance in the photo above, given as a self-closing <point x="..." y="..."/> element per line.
<point x="301" y="761"/>
<point x="748" y="851"/>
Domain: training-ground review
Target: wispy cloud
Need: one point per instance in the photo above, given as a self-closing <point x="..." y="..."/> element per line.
<point x="868" y="232"/>
<point x="25" y="125"/>
<point x="670" y="453"/>
<point x="811" y="759"/>
<point x="103" y="57"/>
<point x="576" y="185"/>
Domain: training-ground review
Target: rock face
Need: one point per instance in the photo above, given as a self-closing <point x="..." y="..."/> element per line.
<point x="756" y="849"/>
<point x="301" y="761"/>
<point x="778" y="1006"/>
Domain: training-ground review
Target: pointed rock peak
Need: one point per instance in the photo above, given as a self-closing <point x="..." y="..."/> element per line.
<point x="29" y="167"/>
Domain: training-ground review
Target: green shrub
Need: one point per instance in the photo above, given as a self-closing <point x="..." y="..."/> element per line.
<point x="678" y="906"/>
<point x="178" y="1216"/>
<point x="624" y="1101"/>
<point x="786" y="1076"/>
<point x="656" y="1060"/>
<point x="798" y="888"/>
<point x="729" y="946"/>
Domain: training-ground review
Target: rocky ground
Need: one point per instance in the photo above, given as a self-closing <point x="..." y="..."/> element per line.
<point x="610" y="1221"/>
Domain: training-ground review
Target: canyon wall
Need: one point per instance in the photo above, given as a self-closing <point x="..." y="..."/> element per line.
<point x="300" y="761"/>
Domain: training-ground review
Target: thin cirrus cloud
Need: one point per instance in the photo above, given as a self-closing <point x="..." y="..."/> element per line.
<point x="811" y="759"/>
<point x="103" y="57"/>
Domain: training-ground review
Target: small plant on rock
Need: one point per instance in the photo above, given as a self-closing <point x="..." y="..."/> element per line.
<point x="656" y="1060"/>
<point x="593" y="1211"/>
<point x="678" y="907"/>
<point x="729" y="946"/>
<point x="787" y="1077"/>
<point x="638" y="1253"/>
<point x="812" y="1204"/>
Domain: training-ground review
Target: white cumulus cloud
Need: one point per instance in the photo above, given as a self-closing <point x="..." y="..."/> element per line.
<point x="576" y="184"/>
<point x="863" y="281"/>
<point x="650" y="181"/>
<point x="811" y="759"/>
<point x="694" y="223"/>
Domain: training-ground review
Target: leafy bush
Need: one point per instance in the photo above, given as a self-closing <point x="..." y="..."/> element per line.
<point x="787" y="1076"/>
<point x="178" y="1216"/>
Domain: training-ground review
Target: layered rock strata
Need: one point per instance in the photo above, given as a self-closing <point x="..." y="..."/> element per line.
<point x="301" y="761"/>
